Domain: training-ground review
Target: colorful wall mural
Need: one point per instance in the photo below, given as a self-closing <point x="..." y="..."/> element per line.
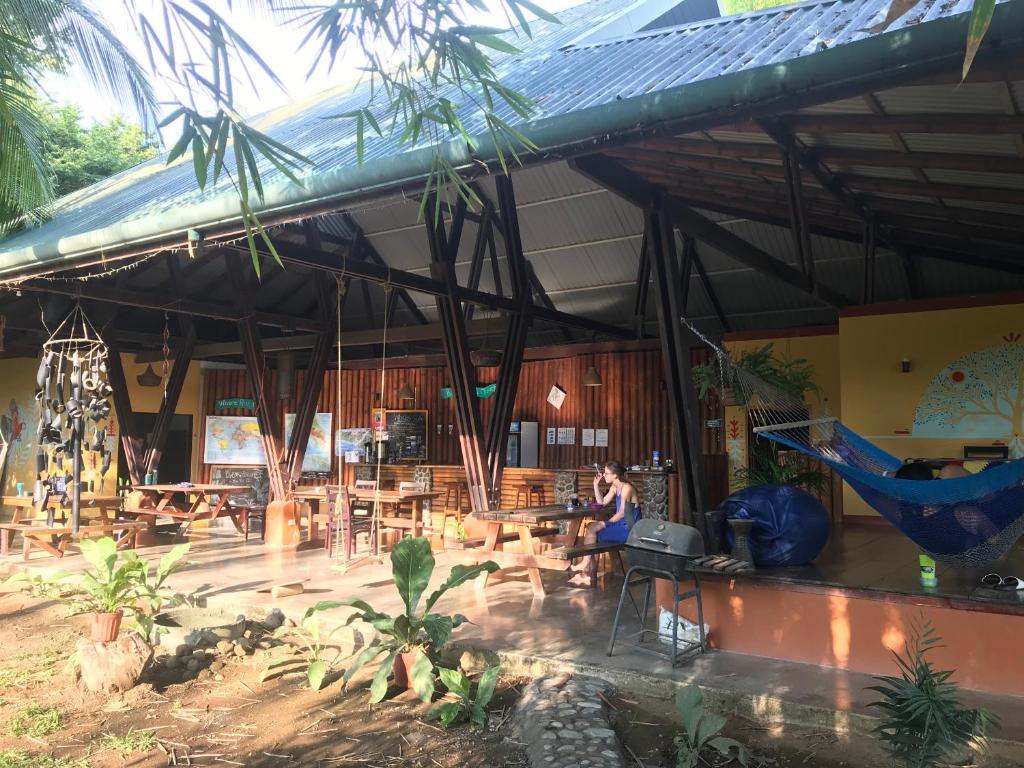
<point x="978" y="395"/>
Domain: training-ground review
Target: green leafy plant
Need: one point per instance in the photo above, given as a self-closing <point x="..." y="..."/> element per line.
<point x="923" y="723"/>
<point x="770" y="466"/>
<point x="132" y="741"/>
<point x="464" y="704"/>
<point x="35" y="721"/>
<point x="412" y="564"/>
<point x="793" y="376"/>
<point x="19" y="759"/>
<point x="313" y="645"/>
<point x="702" y="731"/>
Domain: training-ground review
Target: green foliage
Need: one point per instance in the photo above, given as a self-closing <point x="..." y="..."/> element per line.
<point x="132" y="741"/>
<point x="770" y="466"/>
<point x="78" y="156"/>
<point x="313" y="644"/>
<point x="117" y="581"/>
<point x="465" y="704"/>
<point x="734" y="7"/>
<point x="702" y="731"/>
<point x="412" y="564"/>
<point x="20" y="759"/>
<point x="923" y="723"/>
<point x="32" y="668"/>
<point x="35" y="721"/>
<point x="791" y="376"/>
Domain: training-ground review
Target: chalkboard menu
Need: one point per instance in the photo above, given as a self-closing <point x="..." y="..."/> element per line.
<point x="407" y="435"/>
<point x="256" y="478"/>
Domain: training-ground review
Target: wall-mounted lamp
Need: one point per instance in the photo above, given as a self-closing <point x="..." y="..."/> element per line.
<point x="905" y="365"/>
<point x="592" y="378"/>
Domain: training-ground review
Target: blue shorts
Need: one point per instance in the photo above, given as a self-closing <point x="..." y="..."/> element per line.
<point x="614" y="533"/>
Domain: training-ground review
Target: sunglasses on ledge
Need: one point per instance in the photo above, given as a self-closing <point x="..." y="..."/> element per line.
<point x="1009" y="583"/>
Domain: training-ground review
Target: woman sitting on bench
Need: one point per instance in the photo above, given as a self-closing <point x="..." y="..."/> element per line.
<point x="616" y="529"/>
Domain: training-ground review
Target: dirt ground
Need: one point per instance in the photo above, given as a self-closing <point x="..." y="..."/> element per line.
<point x="233" y="721"/>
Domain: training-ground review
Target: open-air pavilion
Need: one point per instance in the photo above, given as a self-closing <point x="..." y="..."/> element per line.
<point x="785" y="176"/>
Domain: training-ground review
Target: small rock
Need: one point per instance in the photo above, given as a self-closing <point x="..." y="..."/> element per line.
<point x="557" y="681"/>
<point x="183" y="650"/>
<point x="199" y="653"/>
<point x="224" y="646"/>
<point x="600" y="733"/>
<point x="290" y="623"/>
<point x="204" y="674"/>
<point x="217" y="665"/>
<point x="474" y="660"/>
<point x="555" y="725"/>
<point x="218" y="677"/>
<point x="608" y="753"/>
<point x="243" y="647"/>
<point x="193" y="664"/>
<point x="173" y="662"/>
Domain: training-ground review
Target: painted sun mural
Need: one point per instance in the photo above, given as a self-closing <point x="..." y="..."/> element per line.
<point x="978" y="395"/>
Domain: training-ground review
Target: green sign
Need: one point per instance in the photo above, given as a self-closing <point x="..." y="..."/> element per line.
<point x="486" y="391"/>
<point x="235" y="402"/>
<point x="447" y="393"/>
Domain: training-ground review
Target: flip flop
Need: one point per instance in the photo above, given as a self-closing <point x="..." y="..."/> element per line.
<point x="1002" y="583"/>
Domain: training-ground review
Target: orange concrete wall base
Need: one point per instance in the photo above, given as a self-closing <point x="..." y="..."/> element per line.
<point x="852" y="631"/>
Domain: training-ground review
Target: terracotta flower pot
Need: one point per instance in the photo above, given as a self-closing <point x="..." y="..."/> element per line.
<point x="402" y="668"/>
<point x="105" y="626"/>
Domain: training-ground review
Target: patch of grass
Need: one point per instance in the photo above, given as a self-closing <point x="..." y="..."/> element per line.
<point x="35" y="721"/>
<point x="133" y="741"/>
<point x="19" y="759"/>
<point x="32" y="668"/>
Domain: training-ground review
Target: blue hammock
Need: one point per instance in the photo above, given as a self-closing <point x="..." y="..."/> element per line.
<point x="964" y="521"/>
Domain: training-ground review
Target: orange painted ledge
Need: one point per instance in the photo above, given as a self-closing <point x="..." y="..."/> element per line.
<point x="852" y="630"/>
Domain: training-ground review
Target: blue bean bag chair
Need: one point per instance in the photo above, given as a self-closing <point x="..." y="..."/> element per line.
<point x="790" y="527"/>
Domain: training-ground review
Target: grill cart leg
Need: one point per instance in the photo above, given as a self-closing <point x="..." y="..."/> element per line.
<point x="618" y="611"/>
<point x="648" y="583"/>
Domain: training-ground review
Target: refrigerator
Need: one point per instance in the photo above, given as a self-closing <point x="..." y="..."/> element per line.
<point x="523" y="444"/>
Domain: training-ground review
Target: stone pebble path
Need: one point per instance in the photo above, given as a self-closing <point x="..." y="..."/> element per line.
<point x="564" y="723"/>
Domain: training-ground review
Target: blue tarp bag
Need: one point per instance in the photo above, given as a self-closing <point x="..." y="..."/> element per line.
<point x="791" y="527"/>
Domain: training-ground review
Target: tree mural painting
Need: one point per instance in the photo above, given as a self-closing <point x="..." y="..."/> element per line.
<point x="978" y="395"/>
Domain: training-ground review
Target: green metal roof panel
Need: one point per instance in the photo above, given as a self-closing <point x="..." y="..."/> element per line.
<point x="583" y="91"/>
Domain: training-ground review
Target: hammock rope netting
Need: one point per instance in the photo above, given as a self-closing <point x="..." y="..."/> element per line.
<point x="964" y="521"/>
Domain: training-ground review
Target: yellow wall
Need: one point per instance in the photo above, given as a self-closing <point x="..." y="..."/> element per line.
<point x="879" y="401"/>
<point x="17" y="403"/>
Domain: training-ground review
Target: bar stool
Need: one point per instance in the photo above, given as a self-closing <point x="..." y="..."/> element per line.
<point x="460" y="489"/>
<point x="534" y="495"/>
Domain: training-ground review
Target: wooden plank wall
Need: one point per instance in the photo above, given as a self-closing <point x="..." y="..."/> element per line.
<point x="632" y="405"/>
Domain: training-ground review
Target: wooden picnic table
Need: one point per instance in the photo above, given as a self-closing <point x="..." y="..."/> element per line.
<point x="391" y="498"/>
<point x="161" y="504"/>
<point x="530" y="527"/>
<point x="24" y="506"/>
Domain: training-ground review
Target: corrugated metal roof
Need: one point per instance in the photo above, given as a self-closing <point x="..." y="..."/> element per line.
<point x="563" y="80"/>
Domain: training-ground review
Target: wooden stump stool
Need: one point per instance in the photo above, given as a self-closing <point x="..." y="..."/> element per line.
<point x="460" y="490"/>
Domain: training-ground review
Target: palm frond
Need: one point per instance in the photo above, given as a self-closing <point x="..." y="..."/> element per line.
<point x="25" y="183"/>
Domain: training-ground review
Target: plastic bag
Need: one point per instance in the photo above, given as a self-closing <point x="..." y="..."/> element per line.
<point x="688" y="632"/>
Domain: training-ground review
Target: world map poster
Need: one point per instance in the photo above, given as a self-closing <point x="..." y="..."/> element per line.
<point x="318" y="449"/>
<point x="233" y="440"/>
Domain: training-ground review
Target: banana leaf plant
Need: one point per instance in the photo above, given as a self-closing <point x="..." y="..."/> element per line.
<point x="412" y="564"/>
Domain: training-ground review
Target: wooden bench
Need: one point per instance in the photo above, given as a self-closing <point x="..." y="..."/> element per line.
<point x="582" y="550"/>
<point x="54" y="539"/>
<point x="504" y="538"/>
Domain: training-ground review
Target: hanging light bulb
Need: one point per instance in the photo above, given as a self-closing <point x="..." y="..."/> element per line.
<point x="407" y="393"/>
<point x="592" y="378"/>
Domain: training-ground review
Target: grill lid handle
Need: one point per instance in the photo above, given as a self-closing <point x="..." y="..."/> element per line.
<point x="651" y="540"/>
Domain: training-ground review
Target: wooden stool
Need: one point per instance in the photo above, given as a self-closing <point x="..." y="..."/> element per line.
<point x="534" y="495"/>
<point x="461" y="491"/>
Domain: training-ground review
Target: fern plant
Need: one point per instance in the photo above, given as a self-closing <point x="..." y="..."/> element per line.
<point x="702" y="731"/>
<point x="923" y="723"/>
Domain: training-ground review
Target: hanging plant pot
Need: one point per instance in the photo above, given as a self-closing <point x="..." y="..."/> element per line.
<point x="403" y="669"/>
<point x="105" y="626"/>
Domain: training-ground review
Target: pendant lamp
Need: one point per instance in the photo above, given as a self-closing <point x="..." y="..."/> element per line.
<point x="592" y="378"/>
<point x="406" y="393"/>
<point x="149" y="377"/>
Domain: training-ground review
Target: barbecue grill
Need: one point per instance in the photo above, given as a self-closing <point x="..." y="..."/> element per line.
<point x="658" y="549"/>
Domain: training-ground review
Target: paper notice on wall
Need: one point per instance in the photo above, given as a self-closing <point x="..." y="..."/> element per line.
<point x="551" y="436"/>
<point x="567" y="435"/>
<point x="353" y="457"/>
<point x="556" y="396"/>
<point x="587" y="440"/>
<point x="601" y="438"/>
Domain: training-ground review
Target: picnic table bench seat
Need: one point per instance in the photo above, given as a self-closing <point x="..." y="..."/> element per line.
<point x="55" y="539"/>
<point x="503" y="538"/>
<point x="582" y="550"/>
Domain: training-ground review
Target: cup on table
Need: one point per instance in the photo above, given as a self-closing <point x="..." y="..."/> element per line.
<point x="19" y="488"/>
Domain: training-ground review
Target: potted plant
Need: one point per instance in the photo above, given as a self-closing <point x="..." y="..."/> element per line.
<point x="117" y="582"/>
<point x="413" y="640"/>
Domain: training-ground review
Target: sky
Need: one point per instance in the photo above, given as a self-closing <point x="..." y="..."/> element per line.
<point x="276" y="43"/>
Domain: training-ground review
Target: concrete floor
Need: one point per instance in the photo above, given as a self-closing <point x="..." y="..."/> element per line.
<point x="568" y="629"/>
